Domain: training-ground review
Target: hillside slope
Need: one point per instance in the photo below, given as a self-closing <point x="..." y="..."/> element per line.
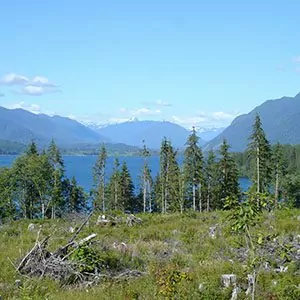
<point x="281" y="122"/>
<point x="22" y="126"/>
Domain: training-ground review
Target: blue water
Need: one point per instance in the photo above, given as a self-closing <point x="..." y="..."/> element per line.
<point x="81" y="167"/>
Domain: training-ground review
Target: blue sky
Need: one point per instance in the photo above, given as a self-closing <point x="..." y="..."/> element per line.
<point x="192" y="62"/>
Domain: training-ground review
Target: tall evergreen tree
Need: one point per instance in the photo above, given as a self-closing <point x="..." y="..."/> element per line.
<point x="211" y="181"/>
<point x="58" y="169"/>
<point x="77" y="199"/>
<point x="193" y="168"/>
<point x="114" y="188"/>
<point x="32" y="149"/>
<point x="127" y="198"/>
<point x="99" y="179"/>
<point x="228" y="176"/>
<point x="260" y="153"/>
<point x="169" y="176"/>
<point x="279" y="169"/>
<point x="146" y="179"/>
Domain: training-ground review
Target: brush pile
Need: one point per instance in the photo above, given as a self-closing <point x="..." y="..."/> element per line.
<point x="60" y="265"/>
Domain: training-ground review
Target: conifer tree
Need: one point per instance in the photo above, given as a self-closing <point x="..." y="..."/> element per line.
<point x="114" y="187"/>
<point x="211" y="181"/>
<point x="228" y="176"/>
<point x="127" y="199"/>
<point x="260" y="153"/>
<point x="146" y="179"/>
<point x="99" y="179"/>
<point x="193" y="168"/>
<point x="77" y="199"/>
<point x="57" y="164"/>
<point x="169" y="176"/>
<point x="279" y="169"/>
<point x="32" y="149"/>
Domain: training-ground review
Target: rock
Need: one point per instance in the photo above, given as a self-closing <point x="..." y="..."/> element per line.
<point x="132" y="220"/>
<point x="71" y="229"/>
<point x="281" y="269"/>
<point x="234" y="295"/>
<point x="213" y="232"/>
<point x="228" y="280"/>
<point x="18" y="283"/>
<point x="251" y="282"/>
<point x="31" y="227"/>
<point x="122" y="247"/>
<point x="102" y="220"/>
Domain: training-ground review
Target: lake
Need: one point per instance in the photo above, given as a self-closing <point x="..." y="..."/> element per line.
<point x="81" y="167"/>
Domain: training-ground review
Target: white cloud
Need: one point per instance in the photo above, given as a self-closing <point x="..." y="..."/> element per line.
<point x="37" y="86"/>
<point x="34" y="108"/>
<point x="158" y="103"/>
<point x="31" y="107"/>
<point x="139" y="112"/>
<point x="13" y="79"/>
<point x="41" y="81"/>
<point x="32" y="90"/>
<point x="206" y="120"/>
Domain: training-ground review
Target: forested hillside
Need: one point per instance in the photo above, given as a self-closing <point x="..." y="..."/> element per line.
<point x="281" y="120"/>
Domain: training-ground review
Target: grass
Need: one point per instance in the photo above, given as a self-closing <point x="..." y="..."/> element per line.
<point x="179" y="257"/>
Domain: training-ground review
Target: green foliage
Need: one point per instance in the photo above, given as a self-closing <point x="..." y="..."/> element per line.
<point x="99" y="180"/>
<point x="169" y="279"/>
<point x="193" y="171"/>
<point x="87" y="258"/>
<point x="228" y="175"/>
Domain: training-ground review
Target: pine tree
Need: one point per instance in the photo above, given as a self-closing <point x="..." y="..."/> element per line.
<point x="260" y="153"/>
<point x="279" y="169"/>
<point x="164" y="172"/>
<point x="228" y="176"/>
<point x="77" y="199"/>
<point x="114" y="188"/>
<point x="58" y="169"/>
<point x="127" y="198"/>
<point x="169" y="176"/>
<point x="99" y="179"/>
<point x="32" y="149"/>
<point x="193" y="168"/>
<point x="211" y="181"/>
<point x="146" y="180"/>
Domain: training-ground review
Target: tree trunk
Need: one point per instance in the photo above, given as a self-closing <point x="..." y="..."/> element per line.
<point x="200" y="198"/>
<point x="276" y="187"/>
<point x="208" y="197"/>
<point x="150" y="197"/>
<point x="103" y="193"/>
<point x="194" y="195"/>
<point x="257" y="169"/>
<point x="43" y="210"/>
<point x="53" y="212"/>
<point x="144" y="192"/>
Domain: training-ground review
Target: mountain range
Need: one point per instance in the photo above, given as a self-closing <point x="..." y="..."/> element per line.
<point x="18" y="125"/>
<point x="152" y="132"/>
<point x="21" y="126"/>
<point x="280" y="119"/>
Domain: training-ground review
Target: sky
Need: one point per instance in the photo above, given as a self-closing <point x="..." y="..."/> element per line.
<point x="196" y="63"/>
